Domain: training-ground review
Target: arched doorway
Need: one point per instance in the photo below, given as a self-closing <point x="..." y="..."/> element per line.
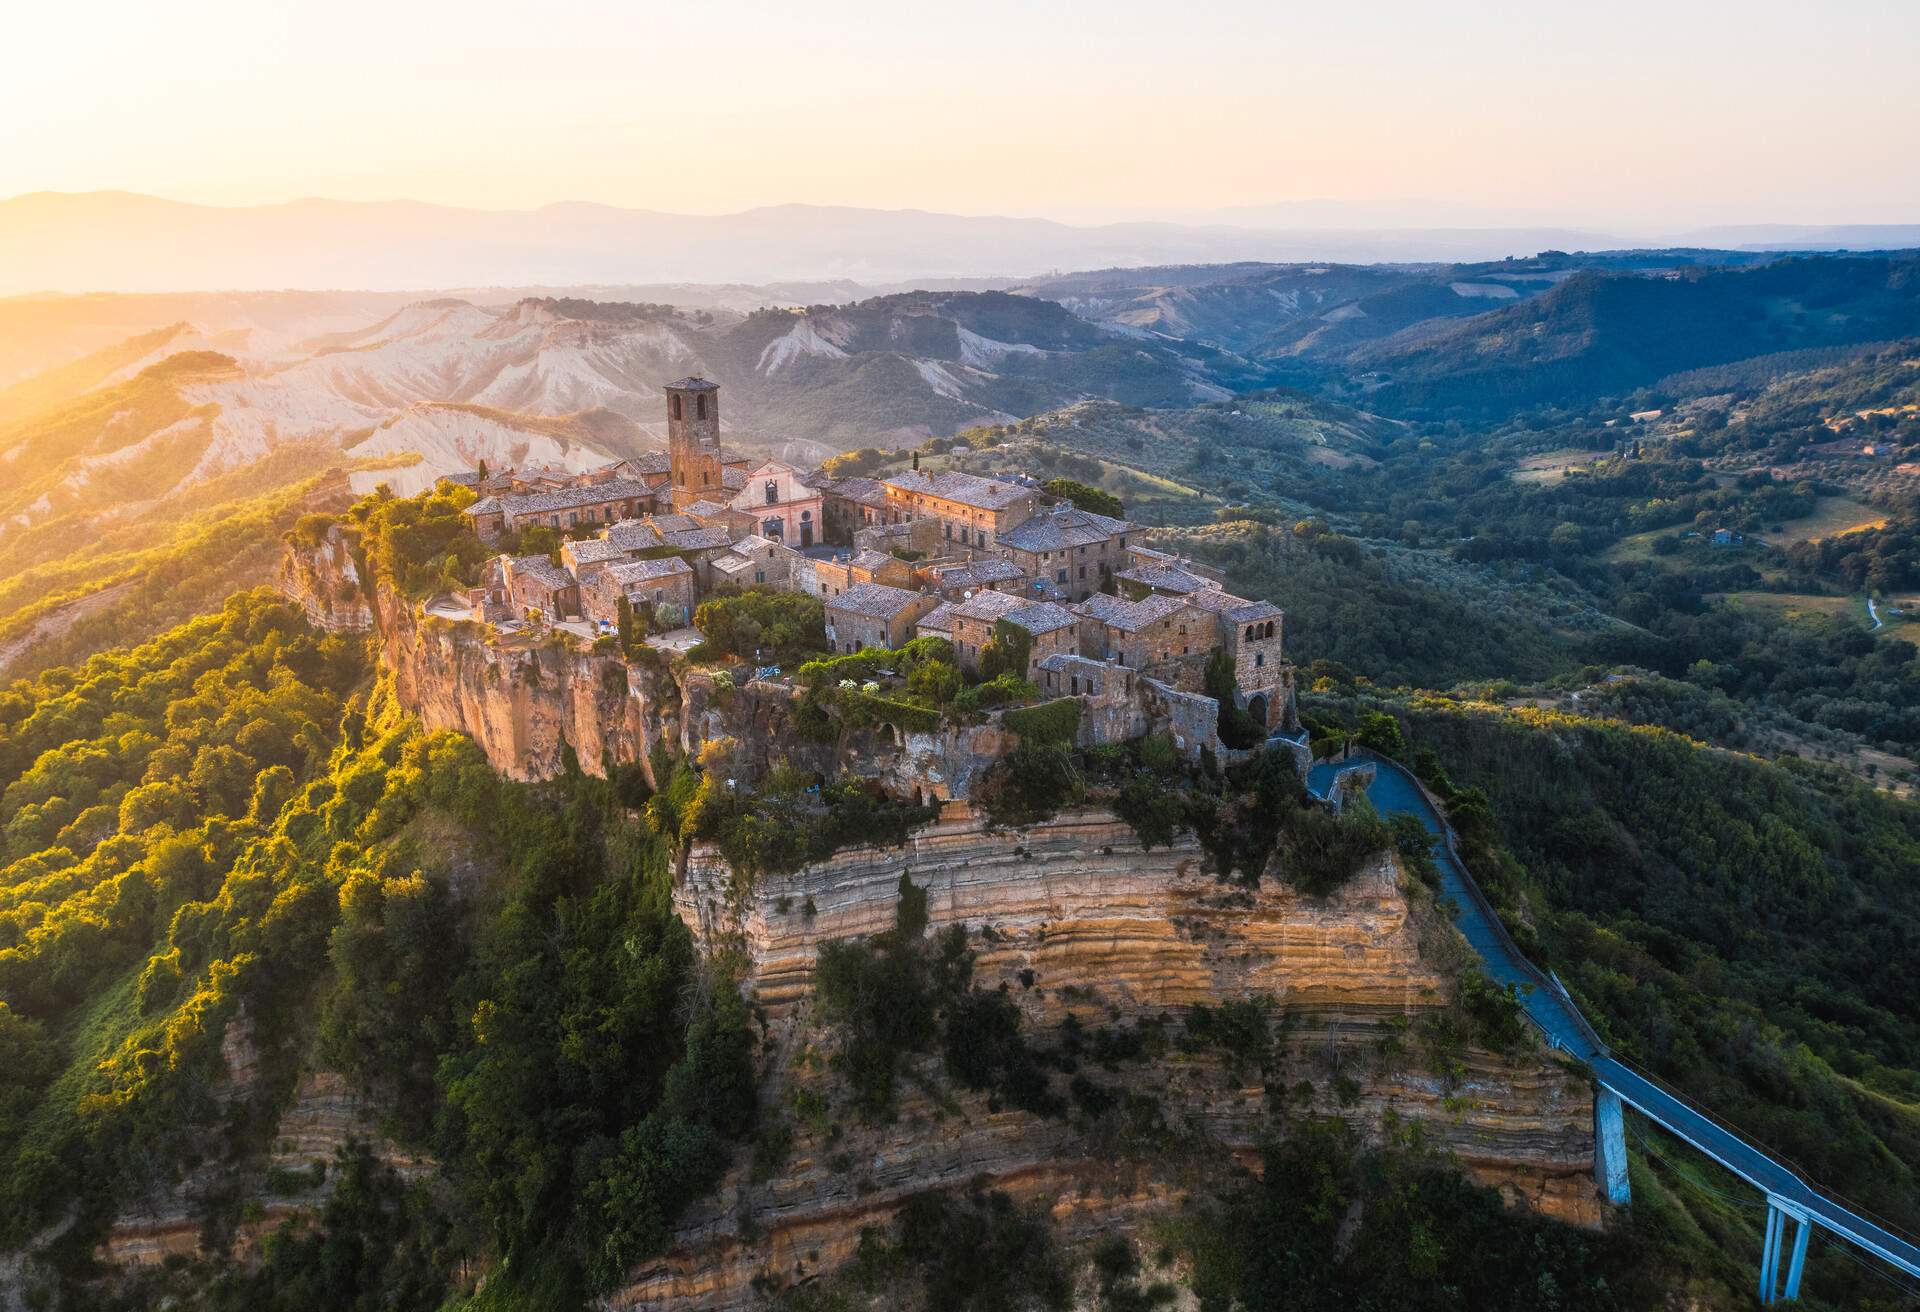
<point x="1257" y="708"/>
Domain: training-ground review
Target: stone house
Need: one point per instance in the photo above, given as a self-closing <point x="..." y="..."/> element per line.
<point x="834" y="577"/>
<point x="848" y="505"/>
<point x="1073" y="551"/>
<point x="565" y="508"/>
<point x="757" y="562"/>
<point x="1251" y="632"/>
<point x="972" y="623"/>
<point x="585" y="557"/>
<point x="536" y="583"/>
<point x="1055" y="631"/>
<point x="972" y="512"/>
<point x="874" y="615"/>
<point x="1158" y="635"/>
<point x="644" y="584"/>
<point x="958" y="579"/>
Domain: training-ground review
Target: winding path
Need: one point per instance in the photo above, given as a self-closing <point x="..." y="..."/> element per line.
<point x="1395" y="791"/>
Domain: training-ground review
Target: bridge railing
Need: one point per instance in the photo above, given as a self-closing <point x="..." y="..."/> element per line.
<point x="1556" y="988"/>
<point x="1754" y="1141"/>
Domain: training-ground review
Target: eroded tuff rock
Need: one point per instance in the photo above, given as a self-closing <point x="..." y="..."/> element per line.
<point x="325" y="581"/>
<point x="1076" y="920"/>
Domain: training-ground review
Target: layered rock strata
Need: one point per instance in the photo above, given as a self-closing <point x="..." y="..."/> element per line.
<point x="1077" y="921"/>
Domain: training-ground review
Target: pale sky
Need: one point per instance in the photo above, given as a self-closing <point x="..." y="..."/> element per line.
<point x="1626" y="113"/>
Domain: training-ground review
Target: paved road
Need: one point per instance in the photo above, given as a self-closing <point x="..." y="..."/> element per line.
<point x="1394" y="791"/>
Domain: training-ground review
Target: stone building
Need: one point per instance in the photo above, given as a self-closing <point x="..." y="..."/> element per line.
<point x="1158" y="635"/>
<point x="645" y="585"/>
<point x="1054" y="630"/>
<point x="958" y="579"/>
<point x="971" y="623"/>
<point x="584" y="557"/>
<point x="1074" y="552"/>
<point x="563" y="509"/>
<point x="972" y="512"/>
<point x="874" y="615"/>
<point x="849" y="505"/>
<point x="776" y="504"/>
<point x="536" y="583"/>
<point x="757" y="562"/>
<point x="698" y="465"/>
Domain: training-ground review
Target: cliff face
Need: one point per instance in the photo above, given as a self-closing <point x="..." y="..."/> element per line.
<point x="1077" y="921"/>
<point x="325" y="581"/>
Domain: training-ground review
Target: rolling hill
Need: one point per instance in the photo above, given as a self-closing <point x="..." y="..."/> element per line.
<point x="1599" y="334"/>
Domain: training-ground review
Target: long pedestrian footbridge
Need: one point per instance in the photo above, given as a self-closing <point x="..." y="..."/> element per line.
<point x="1791" y="1199"/>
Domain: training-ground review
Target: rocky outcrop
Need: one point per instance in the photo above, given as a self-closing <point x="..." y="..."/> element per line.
<point x="526" y="699"/>
<point x="325" y="580"/>
<point x="293" y="1180"/>
<point x="1086" y="931"/>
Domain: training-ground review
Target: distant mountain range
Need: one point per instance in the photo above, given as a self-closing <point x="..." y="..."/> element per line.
<point x="118" y="241"/>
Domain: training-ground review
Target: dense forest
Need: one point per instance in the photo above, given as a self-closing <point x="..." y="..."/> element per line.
<point x="231" y="834"/>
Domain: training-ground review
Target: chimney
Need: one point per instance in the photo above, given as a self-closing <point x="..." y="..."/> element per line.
<point x="916" y="460"/>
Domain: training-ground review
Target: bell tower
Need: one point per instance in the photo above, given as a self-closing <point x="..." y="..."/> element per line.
<point x="693" y="440"/>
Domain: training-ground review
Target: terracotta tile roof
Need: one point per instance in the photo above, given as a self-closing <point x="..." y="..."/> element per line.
<point x="569" y="498"/>
<point x="542" y="570"/>
<point x="967" y="489"/>
<point x="937" y="622"/>
<point x="646" y="571"/>
<point x="1130" y="616"/>
<point x="1064" y="526"/>
<point x="988" y="606"/>
<point x="1041" y="617"/>
<point x="875" y="600"/>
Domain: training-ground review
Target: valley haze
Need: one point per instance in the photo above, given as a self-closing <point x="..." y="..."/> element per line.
<point x="119" y="241"/>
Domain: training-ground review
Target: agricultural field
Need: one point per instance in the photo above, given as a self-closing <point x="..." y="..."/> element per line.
<point x="1832" y="517"/>
<point x="1550" y="466"/>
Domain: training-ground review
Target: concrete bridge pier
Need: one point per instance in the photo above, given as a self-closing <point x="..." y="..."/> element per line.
<point x="1779" y="1212"/>
<point x="1610" y="1146"/>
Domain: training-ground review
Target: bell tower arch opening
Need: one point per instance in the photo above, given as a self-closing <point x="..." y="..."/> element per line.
<point x="693" y="435"/>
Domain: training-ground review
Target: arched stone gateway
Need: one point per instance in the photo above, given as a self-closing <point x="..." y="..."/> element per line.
<point x="1257" y="707"/>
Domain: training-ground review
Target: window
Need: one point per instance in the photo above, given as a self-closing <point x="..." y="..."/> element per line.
<point x="673" y="405"/>
<point x="1123" y="544"/>
<point x="983" y="537"/>
<point x="700" y="407"/>
<point x="1083" y="571"/>
<point x="1259" y="658"/>
<point x="759" y="576"/>
<point x="1060" y="576"/>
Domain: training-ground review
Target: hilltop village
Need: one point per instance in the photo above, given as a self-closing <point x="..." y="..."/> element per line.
<point x="1096" y="612"/>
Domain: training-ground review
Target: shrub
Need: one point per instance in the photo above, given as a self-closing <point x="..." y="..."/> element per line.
<point x="778" y="626"/>
<point x="1054" y="723"/>
<point x="1030" y="784"/>
<point x="1086" y="498"/>
<point x="1321" y="851"/>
